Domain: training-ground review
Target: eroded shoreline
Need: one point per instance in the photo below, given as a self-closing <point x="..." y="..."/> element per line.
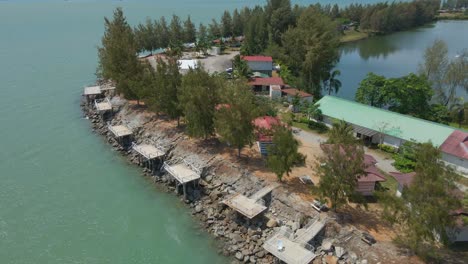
<point x="237" y="238"/>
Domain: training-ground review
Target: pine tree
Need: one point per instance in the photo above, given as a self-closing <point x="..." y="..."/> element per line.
<point x="283" y="153"/>
<point x="226" y="24"/>
<point x="118" y="54"/>
<point x="176" y="30"/>
<point x="425" y="207"/>
<point x="164" y="94"/>
<point x="237" y="24"/>
<point x="233" y="118"/>
<point x="190" y="33"/>
<point x="339" y="170"/>
<point x="164" y="33"/>
<point x="199" y="96"/>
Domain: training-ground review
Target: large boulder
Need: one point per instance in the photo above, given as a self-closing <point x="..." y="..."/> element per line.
<point x="272" y="223"/>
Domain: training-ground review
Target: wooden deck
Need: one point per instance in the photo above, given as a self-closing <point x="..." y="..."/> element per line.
<point x="264" y="191"/>
<point x="92" y="90"/>
<point x="292" y="252"/>
<point x="148" y="151"/>
<point x="120" y="131"/>
<point x="244" y="205"/>
<point x="181" y="172"/>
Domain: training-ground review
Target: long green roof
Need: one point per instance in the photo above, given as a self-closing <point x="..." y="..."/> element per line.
<point x="390" y="123"/>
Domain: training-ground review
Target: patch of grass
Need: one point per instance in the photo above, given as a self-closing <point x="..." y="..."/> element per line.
<point x="390" y="184"/>
<point x="353" y="35"/>
<point x="302" y="126"/>
<point x="455" y="125"/>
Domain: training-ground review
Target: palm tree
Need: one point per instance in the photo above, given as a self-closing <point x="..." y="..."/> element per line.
<point x="458" y="110"/>
<point x="240" y="67"/>
<point x="341" y="133"/>
<point x="331" y="83"/>
<point x="313" y="111"/>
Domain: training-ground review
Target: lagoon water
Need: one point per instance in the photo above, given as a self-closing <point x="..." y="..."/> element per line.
<point x="65" y="196"/>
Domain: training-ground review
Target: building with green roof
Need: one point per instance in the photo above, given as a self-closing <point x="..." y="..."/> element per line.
<point x="377" y="125"/>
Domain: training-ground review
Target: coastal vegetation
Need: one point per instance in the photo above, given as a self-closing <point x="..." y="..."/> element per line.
<point x="340" y="167"/>
<point x="209" y="104"/>
<point x="425" y="209"/>
<point x="304" y="39"/>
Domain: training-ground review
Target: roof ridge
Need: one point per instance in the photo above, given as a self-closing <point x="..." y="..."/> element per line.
<point x="392" y="112"/>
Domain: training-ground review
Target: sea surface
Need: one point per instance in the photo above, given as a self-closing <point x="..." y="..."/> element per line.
<point x="65" y="196"/>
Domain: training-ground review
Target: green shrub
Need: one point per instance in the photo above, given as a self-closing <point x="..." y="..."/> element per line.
<point x="405" y="159"/>
<point x="388" y="148"/>
<point x="317" y="126"/>
<point x="303" y="120"/>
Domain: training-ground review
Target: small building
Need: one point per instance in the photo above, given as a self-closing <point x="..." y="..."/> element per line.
<point x="263" y="85"/>
<point x="183" y="173"/>
<point x="366" y="184"/>
<point x="263" y="64"/>
<point x="186" y="65"/>
<point x="403" y="179"/>
<point x="264" y="132"/>
<point x="103" y="107"/>
<point x="122" y="134"/>
<point x="455" y="151"/>
<point x="150" y="156"/>
<point x="290" y="93"/>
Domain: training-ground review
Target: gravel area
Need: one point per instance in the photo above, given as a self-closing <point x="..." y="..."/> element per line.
<point x="218" y="63"/>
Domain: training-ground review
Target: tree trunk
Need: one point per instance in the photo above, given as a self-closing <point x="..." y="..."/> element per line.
<point x="239" y="152"/>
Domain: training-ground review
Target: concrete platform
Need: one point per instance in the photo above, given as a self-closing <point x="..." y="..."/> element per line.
<point x="103" y="105"/>
<point x="92" y="90"/>
<point x="181" y="172"/>
<point x="148" y="151"/>
<point x="244" y="205"/>
<point x="120" y="131"/>
<point x="292" y="252"/>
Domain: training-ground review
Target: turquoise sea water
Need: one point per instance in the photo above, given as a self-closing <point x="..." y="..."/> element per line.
<point x="65" y="196"/>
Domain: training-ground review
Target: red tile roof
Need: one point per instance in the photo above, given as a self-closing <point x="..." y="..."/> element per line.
<point x="456" y="144"/>
<point x="404" y="179"/>
<point x="263" y="125"/>
<point x="258" y="58"/>
<point x="266" y="122"/>
<point x="373" y="175"/>
<point x="266" y="81"/>
<point x="294" y="91"/>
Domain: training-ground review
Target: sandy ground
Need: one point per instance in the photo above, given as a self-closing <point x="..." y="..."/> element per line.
<point x="218" y="63"/>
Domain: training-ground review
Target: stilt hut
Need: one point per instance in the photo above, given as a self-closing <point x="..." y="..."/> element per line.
<point x="183" y="172"/>
<point x="122" y="134"/>
<point x="92" y="92"/>
<point x="150" y="155"/>
<point x="103" y="107"/>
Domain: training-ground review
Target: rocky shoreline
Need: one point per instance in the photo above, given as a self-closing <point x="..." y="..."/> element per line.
<point x="237" y="238"/>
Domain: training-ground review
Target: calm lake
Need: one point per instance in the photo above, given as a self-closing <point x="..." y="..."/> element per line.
<point x="397" y="54"/>
<point x="65" y="196"/>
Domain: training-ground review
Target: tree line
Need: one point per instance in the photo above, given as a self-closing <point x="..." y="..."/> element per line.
<point x="210" y="105"/>
<point x="431" y="94"/>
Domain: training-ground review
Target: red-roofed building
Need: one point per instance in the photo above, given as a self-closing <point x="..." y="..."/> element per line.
<point x="455" y="150"/>
<point x="264" y="131"/>
<point x="262" y="64"/>
<point x="290" y="93"/>
<point x="263" y="85"/>
<point x="403" y="179"/>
